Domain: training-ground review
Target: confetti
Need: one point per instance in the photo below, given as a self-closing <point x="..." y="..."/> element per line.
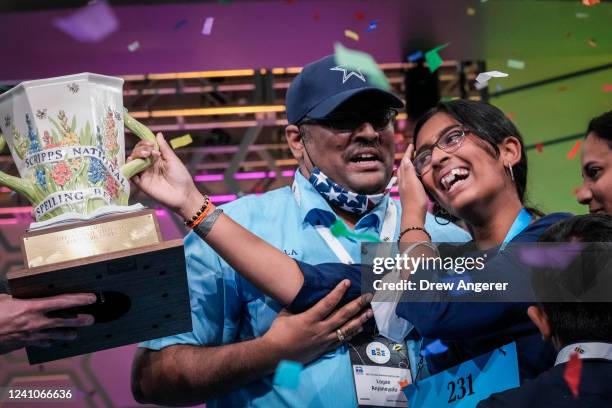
<point x="415" y="56"/>
<point x="434" y="348"/>
<point x="562" y="88"/>
<point x="180" y="24"/>
<point x="181" y="141"/>
<point x="339" y="229"/>
<point x="373" y="25"/>
<point x="591" y="43"/>
<point x="559" y="256"/>
<point x="434" y="61"/>
<point x="582" y="15"/>
<point x="590" y="2"/>
<point x="498" y="88"/>
<point x="572" y="153"/>
<point x="403" y="383"/>
<point x="351" y="34"/>
<point x="483" y="78"/>
<point x="516" y="64"/>
<point x="572" y="373"/>
<point x="91" y="24"/>
<point x="316" y="16"/>
<point x="607" y="88"/>
<point x="471" y="11"/>
<point x="133" y="46"/>
<point x="208" y="25"/>
<point x="363" y="62"/>
<point x="539" y="147"/>
<point x="288" y="373"/>
<point x="359" y="15"/>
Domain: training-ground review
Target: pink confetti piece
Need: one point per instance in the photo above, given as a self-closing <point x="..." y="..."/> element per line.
<point x="208" y="25"/>
<point x="91" y="23"/>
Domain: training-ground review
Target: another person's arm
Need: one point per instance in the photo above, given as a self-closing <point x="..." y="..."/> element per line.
<point x="169" y="182"/>
<point x="25" y="322"/>
<point x="184" y="375"/>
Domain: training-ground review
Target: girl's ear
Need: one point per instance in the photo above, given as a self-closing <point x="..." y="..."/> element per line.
<point x="510" y="150"/>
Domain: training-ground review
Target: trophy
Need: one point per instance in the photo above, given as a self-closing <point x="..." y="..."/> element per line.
<point x="66" y="136"/>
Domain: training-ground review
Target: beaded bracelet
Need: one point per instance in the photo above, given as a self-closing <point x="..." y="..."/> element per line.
<point x="199" y="216"/>
<point x="413" y="229"/>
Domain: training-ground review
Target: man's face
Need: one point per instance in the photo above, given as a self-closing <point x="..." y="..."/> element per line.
<point x="358" y="158"/>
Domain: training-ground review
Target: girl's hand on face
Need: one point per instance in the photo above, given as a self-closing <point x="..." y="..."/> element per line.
<point x="413" y="197"/>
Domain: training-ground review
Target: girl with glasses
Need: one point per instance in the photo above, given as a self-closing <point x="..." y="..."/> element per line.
<point x="470" y="159"/>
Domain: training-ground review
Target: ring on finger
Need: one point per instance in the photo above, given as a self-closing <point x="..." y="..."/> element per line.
<point x="340" y="335"/>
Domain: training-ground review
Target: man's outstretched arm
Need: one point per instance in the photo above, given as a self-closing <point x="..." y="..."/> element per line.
<point x="182" y="375"/>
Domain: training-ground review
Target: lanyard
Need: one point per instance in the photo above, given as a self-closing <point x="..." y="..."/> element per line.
<point x="521" y="222"/>
<point x="585" y="351"/>
<point x="387" y="232"/>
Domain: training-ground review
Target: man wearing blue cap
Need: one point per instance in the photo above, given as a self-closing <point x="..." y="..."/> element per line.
<point x="341" y="133"/>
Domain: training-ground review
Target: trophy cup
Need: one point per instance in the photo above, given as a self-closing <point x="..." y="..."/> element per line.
<point x="66" y="136"/>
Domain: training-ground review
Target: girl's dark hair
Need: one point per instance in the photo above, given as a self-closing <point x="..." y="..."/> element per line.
<point x="489" y="124"/>
<point x="602" y="127"/>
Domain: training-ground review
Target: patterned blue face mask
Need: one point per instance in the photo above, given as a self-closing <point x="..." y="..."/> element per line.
<point x="345" y="199"/>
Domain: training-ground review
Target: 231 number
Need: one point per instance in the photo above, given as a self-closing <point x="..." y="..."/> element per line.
<point x="459" y="386"/>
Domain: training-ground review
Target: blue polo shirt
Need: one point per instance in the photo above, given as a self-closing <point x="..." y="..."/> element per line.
<point x="225" y="308"/>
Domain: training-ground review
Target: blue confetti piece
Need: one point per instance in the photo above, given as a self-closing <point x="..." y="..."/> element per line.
<point x="373" y="25"/>
<point x="436" y="347"/>
<point x="288" y="374"/>
<point x="415" y="56"/>
<point x="180" y="24"/>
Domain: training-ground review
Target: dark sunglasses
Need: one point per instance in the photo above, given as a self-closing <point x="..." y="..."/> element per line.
<point x="350" y="121"/>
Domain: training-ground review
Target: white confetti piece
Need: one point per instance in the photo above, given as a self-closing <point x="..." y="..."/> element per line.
<point x="134" y="46"/>
<point x="484" y="77"/>
<point x="516" y="64"/>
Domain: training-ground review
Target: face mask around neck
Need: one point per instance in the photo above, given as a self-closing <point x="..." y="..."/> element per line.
<point x="343" y="198"/>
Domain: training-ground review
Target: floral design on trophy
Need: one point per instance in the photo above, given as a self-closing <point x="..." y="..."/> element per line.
<point x="66" y="137"/>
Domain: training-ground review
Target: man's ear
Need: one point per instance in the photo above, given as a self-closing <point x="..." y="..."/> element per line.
<point x="295" y="142"/>
<point x="540" y="319"/>
<point x="510" y="150"/>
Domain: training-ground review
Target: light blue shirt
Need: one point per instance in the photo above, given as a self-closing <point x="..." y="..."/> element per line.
<point x="225" y="308"/>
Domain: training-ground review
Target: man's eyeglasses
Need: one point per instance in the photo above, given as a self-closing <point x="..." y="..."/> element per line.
<point x="449" y="142"/>
<point x="345" y="122"/>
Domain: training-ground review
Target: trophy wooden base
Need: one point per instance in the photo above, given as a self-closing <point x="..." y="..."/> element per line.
<point x="142" y="295"/>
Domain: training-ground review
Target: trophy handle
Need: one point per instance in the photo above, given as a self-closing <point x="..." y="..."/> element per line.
<point x="21" y="186"/>
<point x="144" y="133"/>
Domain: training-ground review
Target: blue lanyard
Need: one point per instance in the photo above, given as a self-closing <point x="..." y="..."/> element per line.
<point x="522" y="221"/>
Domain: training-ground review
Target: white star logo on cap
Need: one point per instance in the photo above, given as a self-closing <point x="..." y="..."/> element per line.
<point x="346" y="75"/>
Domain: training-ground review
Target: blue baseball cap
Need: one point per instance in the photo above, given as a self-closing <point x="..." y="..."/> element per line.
<point x="323" y="86"/>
